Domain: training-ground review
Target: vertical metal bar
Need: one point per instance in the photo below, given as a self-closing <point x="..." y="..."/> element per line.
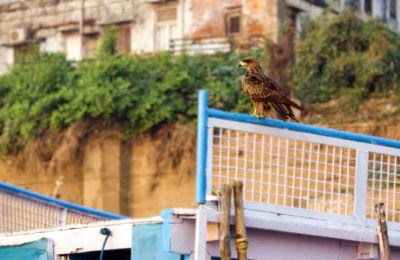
<point x="286" y="173"/>
<point x="360" y="196"/>
<point x="253" y="167"/>
<point x="245" y="161"/>
<point x="316" y="178"/>
<point x="200" y="252"/>
<point x="228" y="149"/>
<point x="278" y="170"/>
<point x="394" y="188"/>
<point x="387" y="183"/>
<point x="348" y="179"/>
<point x="209" y="165"/>
<point x="201" y="147"/>
<point x="293" y="173"/>
<point x="340" y="176"/>
<point x="237" y="155"/>
<point x="301" y="173"/>
<point x="380" y="179"/>
<point x="309" y="174"/>
<point x="220" y="158"/>
<point x="269" y="170"/>
<point x="325" y="178"/>
<point x="262" y="168"/>
<point x="373" y="185"/>
<point x="332" y="183"/>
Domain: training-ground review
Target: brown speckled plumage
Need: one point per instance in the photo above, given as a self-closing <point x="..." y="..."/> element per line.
<point x="264" y="92"/>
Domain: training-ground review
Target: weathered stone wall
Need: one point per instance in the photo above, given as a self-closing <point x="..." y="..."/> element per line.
<point x="136" y="177"/>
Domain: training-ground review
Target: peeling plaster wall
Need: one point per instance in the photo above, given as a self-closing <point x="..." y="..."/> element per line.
<point x="208" y="17"/>
<point x="55" y="23"/>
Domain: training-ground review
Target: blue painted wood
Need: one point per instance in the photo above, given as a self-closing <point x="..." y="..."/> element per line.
<point x="27" y="193"/>
<point x="201" y="156"/>
<point x="37" y="250"/>
<point x="147" y="243"/>
<point x="303" y="128"/>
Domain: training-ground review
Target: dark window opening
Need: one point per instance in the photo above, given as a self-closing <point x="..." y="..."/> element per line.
<point x="368" y="7"/>
<point x="120" y="254"/>
<point x="233" y="21"/>
<point x="392" y="9"/>
<point x="123" y="33"/>
<point x="234" y="24"/>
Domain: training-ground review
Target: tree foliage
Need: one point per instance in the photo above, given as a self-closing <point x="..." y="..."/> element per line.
<point x="45" y="91"/>
<point x="344" y="56"/>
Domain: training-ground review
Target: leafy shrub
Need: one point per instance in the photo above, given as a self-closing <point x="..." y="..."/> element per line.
<point x="343" y="56"/>
<point x="29" y="93"/>
<point x="137" y="91"/>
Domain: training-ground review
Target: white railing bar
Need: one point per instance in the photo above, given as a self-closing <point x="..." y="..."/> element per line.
<point x="253" y="167"/>
<point x="245" y="162"/>
<point x="282" y="157"/>
<point x="260" y="129"/>
<point x="285" y="172"/>
<point x="387" y="180"/>
<point x="237" y="155"/>
<point x="373" y="176"/>
<point x="394" y="187"/>
<point x="361" y="185"/>
<point x="333" y="175"/>
<point x="302" y="168"/>
<point x="273" y="146"/>
<point x="269" y="170"/>
<point x="209" y="159"/>
<point x="228" y="152"/>
<point x="220" y="155"/>
<point x="278" y="162"/>
<point x="325" y="174"/>
<point x="262" y="166"/>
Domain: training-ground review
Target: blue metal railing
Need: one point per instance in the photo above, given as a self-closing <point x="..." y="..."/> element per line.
<point x="60" y="203"/>
<point x="204" y="113"/>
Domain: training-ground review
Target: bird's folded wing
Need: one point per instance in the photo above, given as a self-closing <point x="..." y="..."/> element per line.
<point x="261" y="88"/>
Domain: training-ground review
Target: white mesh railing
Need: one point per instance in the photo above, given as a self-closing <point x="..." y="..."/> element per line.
<point x="19" y="212"/>
<point x="304" y="174"/>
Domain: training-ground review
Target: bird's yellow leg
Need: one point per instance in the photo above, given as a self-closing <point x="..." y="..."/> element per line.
<point x="262" y="112"/>
<point x="255" y="112"/>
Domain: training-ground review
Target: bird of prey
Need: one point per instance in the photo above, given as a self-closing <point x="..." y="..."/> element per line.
<point x="264" y="92"/>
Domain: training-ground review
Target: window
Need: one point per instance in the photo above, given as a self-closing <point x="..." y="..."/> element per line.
<point x="90" y="45"/>
<point x="392" y="9"/>
<point x="166" y="27"/>
<point x="123" y="33"/>
<point x="22" y="50"/>
<point x="233" y="21"/>
<point x="368" y="7"/>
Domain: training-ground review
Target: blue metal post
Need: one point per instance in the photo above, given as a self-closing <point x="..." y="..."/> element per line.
<point x="202" y="117"/>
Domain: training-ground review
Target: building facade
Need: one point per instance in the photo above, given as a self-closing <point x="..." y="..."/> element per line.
<point x="74" y="26"/>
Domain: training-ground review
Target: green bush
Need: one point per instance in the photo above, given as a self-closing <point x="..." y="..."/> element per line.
<point x="343" y="56"/>
<point x="138" y="92"/>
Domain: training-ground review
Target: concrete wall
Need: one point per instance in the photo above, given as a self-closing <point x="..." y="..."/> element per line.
<point x="102" y="171"/>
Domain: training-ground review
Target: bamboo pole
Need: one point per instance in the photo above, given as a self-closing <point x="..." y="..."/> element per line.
<point x="382" y="231"/>
<point x="225" y="237"/>
<point x="241" y="236"/>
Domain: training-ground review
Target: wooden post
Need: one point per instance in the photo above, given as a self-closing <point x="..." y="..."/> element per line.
<point x="241" y="236"/>
<point x="225" y="237"/>
<point x="382" y="231"/>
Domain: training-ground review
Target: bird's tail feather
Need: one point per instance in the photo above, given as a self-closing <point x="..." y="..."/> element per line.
<point x="284" y="112"/>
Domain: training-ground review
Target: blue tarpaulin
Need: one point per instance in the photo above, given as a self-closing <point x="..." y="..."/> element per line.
<point x="147" y="243"/>
<point x="36" y="250"/>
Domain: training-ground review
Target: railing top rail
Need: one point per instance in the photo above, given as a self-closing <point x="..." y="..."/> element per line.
<point x="60" y="203"/>
<point x="211" y="112"/>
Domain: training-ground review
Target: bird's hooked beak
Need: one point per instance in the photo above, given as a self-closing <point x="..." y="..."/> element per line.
<point x="242" y="64"/>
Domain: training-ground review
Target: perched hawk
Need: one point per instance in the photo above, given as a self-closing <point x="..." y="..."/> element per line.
<point x="264" y="92"/>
